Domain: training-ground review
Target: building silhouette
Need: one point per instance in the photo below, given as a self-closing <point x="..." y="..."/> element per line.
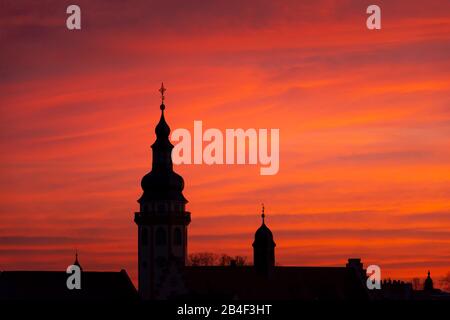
<point x="162" y="224"/>
<point x="428" y="285"/>
<point x="51" y="286"/>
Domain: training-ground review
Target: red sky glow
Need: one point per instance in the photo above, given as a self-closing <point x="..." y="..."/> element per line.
<point x="364" y="119"/>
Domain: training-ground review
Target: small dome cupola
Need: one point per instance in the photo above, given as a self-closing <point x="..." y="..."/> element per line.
<point x="263" y="236"/>
<point x="428" y="284"/>
<point x="263" y="246"/>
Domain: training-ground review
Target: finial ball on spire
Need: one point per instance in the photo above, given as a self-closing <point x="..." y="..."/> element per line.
<point x="263" y="215"/>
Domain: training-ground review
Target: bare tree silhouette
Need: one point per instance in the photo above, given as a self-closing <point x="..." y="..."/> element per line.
<point x="211" y="259"/>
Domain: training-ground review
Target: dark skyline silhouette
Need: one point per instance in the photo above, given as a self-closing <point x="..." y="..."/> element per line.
<point x="165" y="274"/>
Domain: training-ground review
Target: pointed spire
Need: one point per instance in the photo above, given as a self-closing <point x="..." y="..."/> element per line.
<point x="162" y="182"/>
<point x="76" y="263"/>
<point x="263" y="215"/>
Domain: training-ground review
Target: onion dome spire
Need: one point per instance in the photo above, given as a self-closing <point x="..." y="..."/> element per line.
<point x="162" y="183"/>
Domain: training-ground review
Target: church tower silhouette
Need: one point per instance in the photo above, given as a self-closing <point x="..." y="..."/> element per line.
<point x="162" y="219"/>
<point x="263" y="247"/>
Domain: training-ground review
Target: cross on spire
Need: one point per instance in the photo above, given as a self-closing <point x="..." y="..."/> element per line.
<point x="162" y="90"/>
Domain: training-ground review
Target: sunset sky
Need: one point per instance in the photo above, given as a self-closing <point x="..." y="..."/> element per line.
<point x="364" y="119"/>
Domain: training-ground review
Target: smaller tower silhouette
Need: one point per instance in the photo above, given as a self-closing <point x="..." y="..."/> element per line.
<point x="428" y="285"/>
<point x="263" y="247"/>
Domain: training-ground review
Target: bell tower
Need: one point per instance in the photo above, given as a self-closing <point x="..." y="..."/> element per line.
<point x="263" y="247"/>
<point x="162" y="219"/>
